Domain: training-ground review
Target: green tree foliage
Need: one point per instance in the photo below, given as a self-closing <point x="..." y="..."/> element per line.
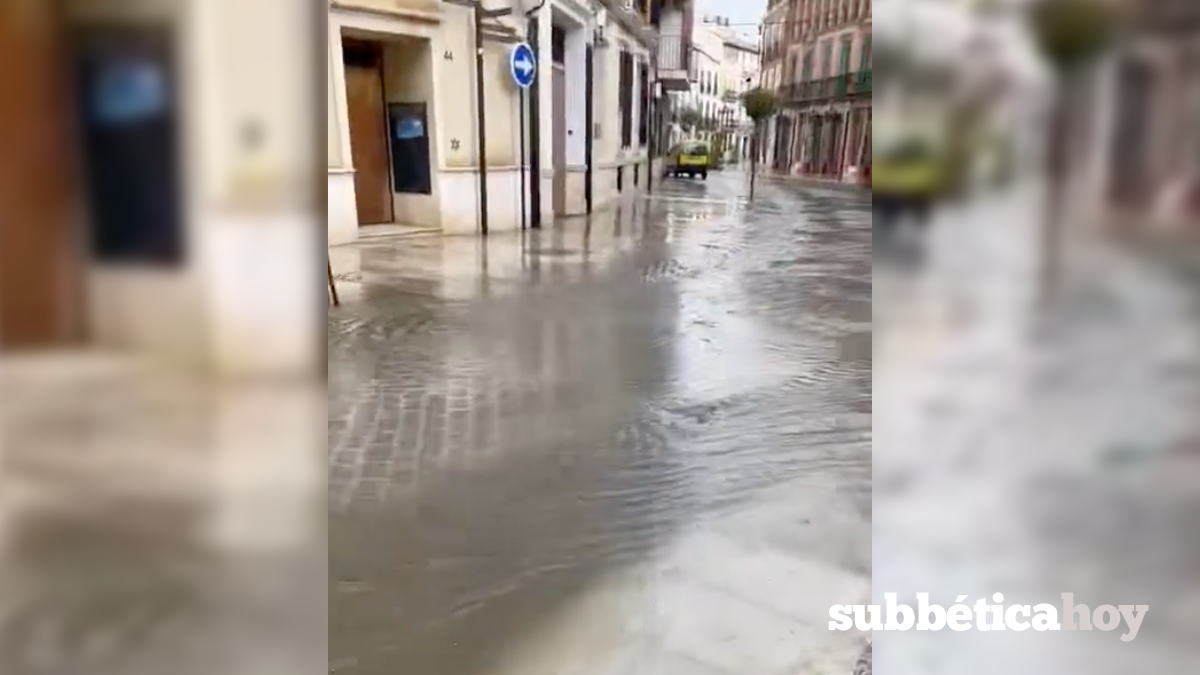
<point x="759" y="103"/>
<point x="1072" y="32"/>
<point x="689" y="119"/>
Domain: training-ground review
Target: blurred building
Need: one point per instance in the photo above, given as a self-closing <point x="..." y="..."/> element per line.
<point x="404" y="115"/>
<point x="739" y="74"/>
<point x="1146" y="158"/>
<point x="153" y="196"/>
<point x="822" y="56"/>
<point x="724" y="65"/>
<point x="775" y="40"/>
<point x="699" y="108"/>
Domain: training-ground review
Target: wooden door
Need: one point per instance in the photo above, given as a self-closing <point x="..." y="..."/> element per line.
<point x="368" y="132"/>
<point x="41" y="255"/>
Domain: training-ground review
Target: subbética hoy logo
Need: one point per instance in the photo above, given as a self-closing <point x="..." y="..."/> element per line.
<point x="985" y="616"/>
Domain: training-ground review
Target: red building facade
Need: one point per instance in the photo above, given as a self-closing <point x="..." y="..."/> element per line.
<point x="824" y="88"/>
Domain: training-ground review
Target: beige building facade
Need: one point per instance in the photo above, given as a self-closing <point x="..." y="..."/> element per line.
<point x="416" y="58"/>
<point x="186" y="238"/>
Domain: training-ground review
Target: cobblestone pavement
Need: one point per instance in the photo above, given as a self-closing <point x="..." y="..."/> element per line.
<point x="1038" y="451"/>
<point x="638" y="445"/>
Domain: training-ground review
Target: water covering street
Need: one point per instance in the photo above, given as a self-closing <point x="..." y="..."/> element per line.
<point x="1033" y="448"/>
<point x="639" y="444"/>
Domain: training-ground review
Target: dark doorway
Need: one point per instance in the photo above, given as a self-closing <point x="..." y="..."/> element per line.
<point x="1130" y="184"/>
<point x="783" y="141"/>
<point x="126" y="94"/>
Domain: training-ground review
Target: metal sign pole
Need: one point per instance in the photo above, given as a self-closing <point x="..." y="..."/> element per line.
<point x="524" y="200"/>
<point x="481" y="120"/>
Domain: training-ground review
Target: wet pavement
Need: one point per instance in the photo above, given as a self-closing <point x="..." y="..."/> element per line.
<point x="635" y="445"/>
<point x="150" y="523"/>
<point x="1035" y="450"/>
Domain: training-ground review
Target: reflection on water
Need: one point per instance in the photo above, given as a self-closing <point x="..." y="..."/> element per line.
<point x="492" y="456"/>
<point x="141" y="533"/>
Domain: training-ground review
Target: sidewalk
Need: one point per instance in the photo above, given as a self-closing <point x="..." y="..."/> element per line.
<point x="112" y="439"/>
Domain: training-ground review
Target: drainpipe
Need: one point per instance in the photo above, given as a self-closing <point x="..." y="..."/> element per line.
<point x="524" y="157"/>
<point x="481" y="119"/>
<point x="589" y="121"/>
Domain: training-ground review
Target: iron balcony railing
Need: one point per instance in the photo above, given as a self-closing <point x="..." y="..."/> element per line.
<point x="846" y="86"/>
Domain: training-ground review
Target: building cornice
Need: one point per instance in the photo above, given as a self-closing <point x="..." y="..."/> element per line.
<point x="431" y="14"/>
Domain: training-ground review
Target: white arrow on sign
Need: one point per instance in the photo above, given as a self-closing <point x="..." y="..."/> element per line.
<point x="523" y="65"/>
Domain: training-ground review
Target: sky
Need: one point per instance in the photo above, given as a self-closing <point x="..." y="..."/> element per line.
<point x="738" y="11"/>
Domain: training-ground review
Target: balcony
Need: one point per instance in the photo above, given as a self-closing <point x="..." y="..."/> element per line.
<point x="674" y="61"/>
<point x="848" y="86"/>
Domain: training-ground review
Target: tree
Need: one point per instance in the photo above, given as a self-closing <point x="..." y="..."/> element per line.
<point x="760" y="104"/>
<point x="689" y="120"/>
<point x="1071" y="35"/>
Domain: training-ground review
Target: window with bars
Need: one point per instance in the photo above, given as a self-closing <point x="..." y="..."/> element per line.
<point x="625" y="92"/>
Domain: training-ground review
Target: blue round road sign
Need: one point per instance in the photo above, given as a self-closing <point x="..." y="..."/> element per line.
<point x="522" y="64"/>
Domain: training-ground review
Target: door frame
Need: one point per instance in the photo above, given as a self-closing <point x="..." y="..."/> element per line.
<point x="558" y="184"/>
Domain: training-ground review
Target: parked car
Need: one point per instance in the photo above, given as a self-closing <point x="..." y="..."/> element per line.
<point x="690" y="158"/>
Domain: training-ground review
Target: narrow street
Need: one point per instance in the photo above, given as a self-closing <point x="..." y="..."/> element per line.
<point x="635" y="446"/>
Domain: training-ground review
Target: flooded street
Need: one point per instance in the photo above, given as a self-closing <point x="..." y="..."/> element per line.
<point x="1037" y="449"/>
<point x="635" y="445"/>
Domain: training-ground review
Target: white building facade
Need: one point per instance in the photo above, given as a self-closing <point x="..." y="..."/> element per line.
<point x="403" y="118"/>
<point x="740" y="68"/>
<point x="724" y="66"/>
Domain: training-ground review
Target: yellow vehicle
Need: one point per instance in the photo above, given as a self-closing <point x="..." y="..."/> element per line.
<point x="691" y="158"/>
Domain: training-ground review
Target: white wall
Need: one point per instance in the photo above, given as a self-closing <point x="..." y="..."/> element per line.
<point x="235" y="308"/>
<point x="575" y="62"/>
<point x="448" y="86"/>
